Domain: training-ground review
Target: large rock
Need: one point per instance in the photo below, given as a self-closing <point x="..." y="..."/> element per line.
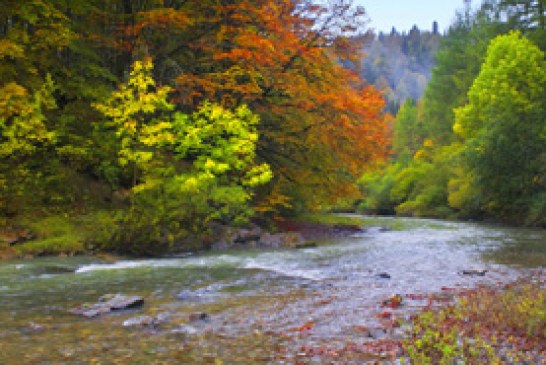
<point x="227" y="237"/>
<point x="280" y="240"/>
<point x="108" y="303"/>
<point x="254" y="236"/>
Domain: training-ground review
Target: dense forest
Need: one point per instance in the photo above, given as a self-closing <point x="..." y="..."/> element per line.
<point x="145" y="123"/>
<point x="156" y="119"/>
<point x="399" y="64"/>
<point x="475" y="145"/>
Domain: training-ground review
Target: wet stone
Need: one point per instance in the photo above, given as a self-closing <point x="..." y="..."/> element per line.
<point x="377" y="333"/>
<point x="108" y="303"/>
<point x="140" y="321"/>
<point x="185" y="330"/>
<point x="474" y="272"/>
<point x="199" y="316"/>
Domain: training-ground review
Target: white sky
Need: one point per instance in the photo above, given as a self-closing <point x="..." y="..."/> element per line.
<point x="403" y="14"/>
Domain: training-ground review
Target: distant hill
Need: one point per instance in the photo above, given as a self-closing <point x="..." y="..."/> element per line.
<point x="399" y="64"/>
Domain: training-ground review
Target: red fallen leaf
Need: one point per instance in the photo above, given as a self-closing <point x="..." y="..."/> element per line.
<point x="394" y="301"/>
<point x="306" y="326"/>
<point x="324" y="302"/>
<point x="385" y="314"/>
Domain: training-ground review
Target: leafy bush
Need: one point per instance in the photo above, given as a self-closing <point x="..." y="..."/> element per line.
<point x="481" y="324"/>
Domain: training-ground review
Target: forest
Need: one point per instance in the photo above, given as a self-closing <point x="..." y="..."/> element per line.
<point x="473" y="147"/>
<point x="271" y="182"/>
<point x="155" y="119"/>
<point x="134" y="126"/>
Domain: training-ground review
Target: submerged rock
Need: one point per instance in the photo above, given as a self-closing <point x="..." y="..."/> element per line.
<point x="185" y="330"/>
<point x="147" y="320"/>
<point x="140" y="321"/>
<point x="59" y="269"/>
<point x="108" y="303"/>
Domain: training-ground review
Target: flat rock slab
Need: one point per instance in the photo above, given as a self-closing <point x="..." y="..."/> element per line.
<point x="108" y="303"/>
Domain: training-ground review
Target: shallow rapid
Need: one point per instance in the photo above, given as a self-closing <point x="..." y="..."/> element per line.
<point x="258" y="302"/>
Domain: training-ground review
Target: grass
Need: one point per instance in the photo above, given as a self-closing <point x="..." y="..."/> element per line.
<point x="329" y="219"/>
<point x="61" y="234"/>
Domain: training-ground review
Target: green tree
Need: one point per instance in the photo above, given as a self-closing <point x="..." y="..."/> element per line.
<point x="458" y="62"/>
<point x="407" y="130"/>
<point x="187" y="170"/>
<point x="503" y="127"/>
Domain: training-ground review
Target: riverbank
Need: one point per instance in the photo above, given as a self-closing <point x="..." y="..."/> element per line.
<point x="348" y="300"/>
<point x="488" y="324"/>
<point x="62" y="235"/>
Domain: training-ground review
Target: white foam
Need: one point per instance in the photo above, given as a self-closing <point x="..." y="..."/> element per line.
<point x="165" y="263"/>
<point x="284" y="269"/>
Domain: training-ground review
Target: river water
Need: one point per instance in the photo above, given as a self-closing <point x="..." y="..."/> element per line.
<point x="263" y="307"/>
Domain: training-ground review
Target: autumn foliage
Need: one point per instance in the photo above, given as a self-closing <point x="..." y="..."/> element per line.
<point x="290" y="62"/>
<point x="320" y="124"/>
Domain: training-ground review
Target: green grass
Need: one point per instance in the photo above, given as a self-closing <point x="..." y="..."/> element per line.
<point x="62" y="234"/>
<point x="329" y="219"/>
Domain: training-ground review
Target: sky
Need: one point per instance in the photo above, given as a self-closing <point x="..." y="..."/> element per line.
<point x="403" y="14"/>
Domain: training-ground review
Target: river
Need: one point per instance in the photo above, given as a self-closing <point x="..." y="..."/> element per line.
<point x="262" y="307"/>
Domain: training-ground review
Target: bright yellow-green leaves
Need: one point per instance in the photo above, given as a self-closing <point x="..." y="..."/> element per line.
<point x="512" y="80"/>
<point x="220" y="142"/>
<point x="501" y="126"/>
<point x="133" y="111"/>
<point x="22" y="123"/>
<point x="187" y="169"/>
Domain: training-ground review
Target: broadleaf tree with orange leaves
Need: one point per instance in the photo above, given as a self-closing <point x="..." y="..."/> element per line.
<point x="291" y="62"/>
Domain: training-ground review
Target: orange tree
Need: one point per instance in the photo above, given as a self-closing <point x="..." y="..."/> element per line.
<point x="291" y="62"/>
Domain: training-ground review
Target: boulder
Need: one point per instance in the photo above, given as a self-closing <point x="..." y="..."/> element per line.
<point x="108" y="303"/>
<point x="280" y="240"/>
<point x="227" y="237"/>
<point x="245" y="235"/>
